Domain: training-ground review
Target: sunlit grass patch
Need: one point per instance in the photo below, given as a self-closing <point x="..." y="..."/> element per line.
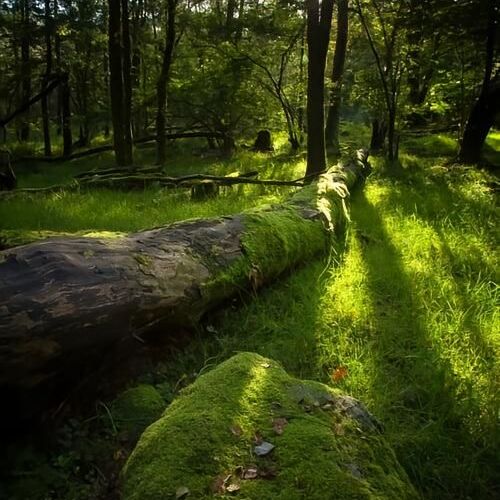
<point x="412" y="315"/>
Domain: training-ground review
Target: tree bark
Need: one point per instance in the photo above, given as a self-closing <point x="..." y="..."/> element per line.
<point x="24" y="131"/>
<point x="319" y="20"/>
<point x="379" y="132"/>
<point x="68" y="302"/>
<point x="118" y="84"/>
<point x="162" y="84"/>
<point x="487" y="106"/>
<point x="66" y="117"/>
<point x="333" y="120"/>
<point x="48" y="71"/>
<point x="127" y="84"/>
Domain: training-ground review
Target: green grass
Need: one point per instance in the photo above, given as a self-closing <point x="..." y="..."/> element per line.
<point x="412" y="313"/>
<point x="409" y="307"/>
<point x="110" y="210"/>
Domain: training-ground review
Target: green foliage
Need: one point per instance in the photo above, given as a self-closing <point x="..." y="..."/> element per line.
<point x="30" y="216"/>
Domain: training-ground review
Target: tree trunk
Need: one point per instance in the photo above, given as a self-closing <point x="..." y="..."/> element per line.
<point x="127" y="84"/>
<point x="333" y="120"/>
<point x="319" y="20"/>
<point x="48" y="71"/>
<point x="481" y="119"/>
<point x="66" y="117"/>
<point x="487" y="106"/>
<point x="162" y="84"/>
<point x="121" y="128"/>
<point x="24" y="131"/>
<point x="68" y="302"/>
<point x="379" y="132"/>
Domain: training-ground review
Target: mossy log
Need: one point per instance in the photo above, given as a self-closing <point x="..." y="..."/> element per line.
<point x="249" y="427"/>
<point x="64" y="302"/>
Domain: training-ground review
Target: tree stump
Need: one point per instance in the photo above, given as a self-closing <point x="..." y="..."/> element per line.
<point x="203" y="190"/>
<point x="8" y="179"/>
<point x="263" y="143"/>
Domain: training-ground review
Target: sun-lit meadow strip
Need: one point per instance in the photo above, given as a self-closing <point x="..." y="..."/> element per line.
<point x="411" y="315"/>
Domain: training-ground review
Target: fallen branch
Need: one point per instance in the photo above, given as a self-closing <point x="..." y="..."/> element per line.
<point x="109" y="147"/>
<point x="139" y="180"/>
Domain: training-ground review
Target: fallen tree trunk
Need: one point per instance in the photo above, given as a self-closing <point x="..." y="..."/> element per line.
<point x="66" y="301"/>
<point x="141" y="179"/>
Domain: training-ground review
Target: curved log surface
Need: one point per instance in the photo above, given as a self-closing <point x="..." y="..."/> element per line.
<point x="65" y="301"/>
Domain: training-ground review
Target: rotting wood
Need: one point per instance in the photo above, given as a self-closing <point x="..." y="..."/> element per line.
<point x="66" y="301"/>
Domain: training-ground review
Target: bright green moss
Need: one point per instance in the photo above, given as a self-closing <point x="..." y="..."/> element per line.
<point x="136" y="408"/>
<point x="276" y="239"/>
<point x="10" y="238"/>
<point x="209" y="432"/>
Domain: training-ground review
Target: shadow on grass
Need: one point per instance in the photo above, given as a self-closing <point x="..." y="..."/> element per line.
<point x="414" y="386"/>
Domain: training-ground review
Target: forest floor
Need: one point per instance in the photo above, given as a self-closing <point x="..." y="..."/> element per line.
<point x="403" y="315"/>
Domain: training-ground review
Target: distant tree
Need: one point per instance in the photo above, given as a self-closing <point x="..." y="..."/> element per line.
<point x="389" y="64"/>
<point x="45" y="79"/>
<point x="487" y="106"/>
<point x="161" y="87"/>
<point x="319" y="20"/>
<point x="25" y="8"/>
<point x="120" y="83"/>
<point x="333" y="119"/>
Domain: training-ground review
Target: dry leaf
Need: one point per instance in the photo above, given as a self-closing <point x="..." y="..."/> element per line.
<point x="339" y="373"/>
<point x="279" y="425"/>
<point x="231" y="488"/>
<point x="250" y="473"/>
<point x="182" y="492"/>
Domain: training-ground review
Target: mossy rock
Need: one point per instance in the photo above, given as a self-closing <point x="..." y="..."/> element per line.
<point x="136" y="408"/>
<point x="325" y="445"/>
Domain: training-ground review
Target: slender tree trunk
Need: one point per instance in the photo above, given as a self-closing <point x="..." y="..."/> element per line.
<point x="487" y="106"/>
<point x="162" y="83"/>
<point x="116" y="80"/>
<point x="48" y="72"/>
<point x="319" y="19"/>
<point x="24" y="131"/>
<point x="391" y="134"/>
<point x="379" y="132"/>
<point x="57" y="50"/>
<point x="127" y="85"/>
<point x="333" y="120"/>
<point x="66" y="117"/>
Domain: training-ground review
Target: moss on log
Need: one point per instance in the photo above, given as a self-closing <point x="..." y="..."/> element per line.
<point x="66" y="302"/>
<point x="321" y="444"/>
